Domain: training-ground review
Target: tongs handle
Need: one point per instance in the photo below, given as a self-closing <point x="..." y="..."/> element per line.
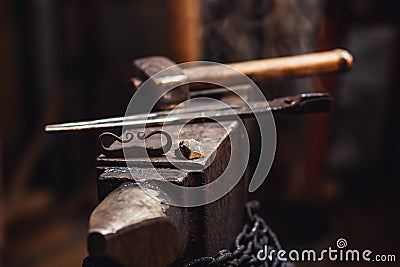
<point x="307" y="103"/>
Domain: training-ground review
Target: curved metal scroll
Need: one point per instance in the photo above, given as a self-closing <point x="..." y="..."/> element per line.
<point x="134" y="150"/>
<point x="128" y="137"/>
<point x="163" y="149"/>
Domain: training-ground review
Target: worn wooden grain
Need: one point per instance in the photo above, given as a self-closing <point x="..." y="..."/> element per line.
<point x="275" y="68"/>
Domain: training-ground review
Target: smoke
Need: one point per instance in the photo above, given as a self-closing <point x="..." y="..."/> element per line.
<point x="248" y="29"/>
<point x="291" y="27"/>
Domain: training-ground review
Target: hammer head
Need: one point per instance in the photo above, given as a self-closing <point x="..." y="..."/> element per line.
<point x="172" y="75"/>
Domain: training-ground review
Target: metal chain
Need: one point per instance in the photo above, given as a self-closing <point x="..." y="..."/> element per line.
<point x="254" y="236"/>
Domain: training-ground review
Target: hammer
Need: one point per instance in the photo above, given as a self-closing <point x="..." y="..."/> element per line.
<point x="337" y="60"/>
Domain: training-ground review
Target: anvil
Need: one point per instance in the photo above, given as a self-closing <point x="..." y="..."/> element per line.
<point x="132" y="228"/>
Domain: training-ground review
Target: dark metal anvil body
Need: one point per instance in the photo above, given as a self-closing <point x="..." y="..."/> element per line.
<point x="134" y="229"/>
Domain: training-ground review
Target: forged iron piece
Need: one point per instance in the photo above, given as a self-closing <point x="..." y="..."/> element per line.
<point x="191" y="149"/>
<point x="117" y="151"/>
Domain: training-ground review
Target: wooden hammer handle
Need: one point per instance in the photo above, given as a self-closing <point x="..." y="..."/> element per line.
<point x="336" y="60"/>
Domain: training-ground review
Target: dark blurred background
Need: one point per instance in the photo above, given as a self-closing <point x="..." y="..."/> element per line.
<point x="334" y="175"/>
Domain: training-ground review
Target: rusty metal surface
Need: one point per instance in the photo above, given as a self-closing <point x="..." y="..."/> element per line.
<point x="128" y="219"/>
<point x="110" y="178"/>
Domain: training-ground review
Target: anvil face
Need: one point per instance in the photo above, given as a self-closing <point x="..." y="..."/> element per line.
<point x="217" y="132"/>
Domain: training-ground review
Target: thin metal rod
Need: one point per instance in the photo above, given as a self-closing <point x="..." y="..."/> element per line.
<point x="309" y="103"/>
